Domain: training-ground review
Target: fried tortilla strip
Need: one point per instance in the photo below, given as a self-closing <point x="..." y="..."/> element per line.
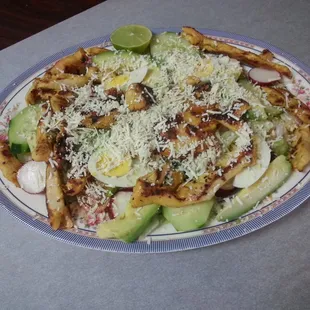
<point x="58" y="213"/>
<point x="191" y="118"/>
<point x="43" y="145"/>
<point x="100" y="122"/>
<point x="45" y="88"/>
<point x="31" y="96"/>
<point x="239" y="108"/>
<point x="70" y="80"/>
<point x="60" y="102"/>
<point x="204" y="188"/>
<point x="74" y="187"/>
<point x="187" y="136"/>
<point x="218" y="47"/>
<point x="268" y="55"/>
<point x="139" y="97"/>
<point x="47" y="83"/>
<point x="59" y="149"/>
<point x="94" y="74"/>
<point x="283" y="98"/>
<point x="92" y="51"/>
<point x="229" y="123"/>
<point x="194" y="116"/>
<point x="58" y="81"/>
<point x="56" y="87"/>
<point x="301" y="155"/>
<point x="158" y="177"/>
<point x="9" y="165"/>
<point x="275" y="96"/>
<point x="74" y="64"/>
<point x="300" y="110"/>
<point x="35" y="95"/>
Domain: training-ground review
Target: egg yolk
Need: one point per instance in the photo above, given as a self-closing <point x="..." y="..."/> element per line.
<point x="204" y="69"/>
<point x="122" y="169"/>
<point x="117" y="81"/>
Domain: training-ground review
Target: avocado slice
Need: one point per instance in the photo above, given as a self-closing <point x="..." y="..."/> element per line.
<point x="276" y="175"/>
<point x="190" y="217"/>
<point x="111" y="57"/>
<point x="166" y="41"/>
<point x="129" y="226"/>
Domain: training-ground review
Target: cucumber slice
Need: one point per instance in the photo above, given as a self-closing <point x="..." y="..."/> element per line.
<point x="276" y="175"/>
<point x="166" y="41"/>
<point x="21" y="127"/>
<point x="129" y="226"/>
<point x="190" y="217"/>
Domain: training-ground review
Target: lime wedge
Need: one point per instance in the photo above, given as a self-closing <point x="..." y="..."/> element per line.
<point x="134" y="38"/>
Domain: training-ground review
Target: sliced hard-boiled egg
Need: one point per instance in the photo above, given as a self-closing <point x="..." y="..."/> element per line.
<point x="153" y="77"/>
<point x="124" y="173"/>
<point x="138" y="75"/>
<point x="251" y="174"/>
<point x="124" y="80"/>
<point x="204" y="70"/>
<point x="105" y="163"/>
<point x="118" y="81"/>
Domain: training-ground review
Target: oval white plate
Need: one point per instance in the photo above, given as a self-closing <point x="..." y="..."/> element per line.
<point x="31" y="208"/>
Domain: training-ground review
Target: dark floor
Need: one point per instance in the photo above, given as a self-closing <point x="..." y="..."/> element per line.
<point x="20" y="19"/>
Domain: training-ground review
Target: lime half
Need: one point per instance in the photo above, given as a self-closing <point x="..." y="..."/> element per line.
<point x="134" y="38"/>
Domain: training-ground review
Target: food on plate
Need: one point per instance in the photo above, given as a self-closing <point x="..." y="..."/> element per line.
<point x="253" y="173"/>
<point x="281" y="97"/>
<point x="277" y="173"/>
<point x="264" y="76"/>
<point x="22" y="129"/>
<point x="58" y="213"/>
<point x="212" y="46"/>
<point x="31" y="177"/>
<point x="74" y="186"/>
<point x="165" y="127"/>
<point x="9" y="164"/>
<point x="189" y="218"/>
<point x="129" y="225"/>
<point x="42" y="144"/>
<point x="301" y="148"/>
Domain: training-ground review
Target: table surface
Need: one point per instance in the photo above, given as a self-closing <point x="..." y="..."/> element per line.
<point x="268" y="269"/>
<point x="21" y="19"/>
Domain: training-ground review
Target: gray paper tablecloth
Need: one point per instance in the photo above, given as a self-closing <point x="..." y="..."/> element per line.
<point x="268" y="269"/>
